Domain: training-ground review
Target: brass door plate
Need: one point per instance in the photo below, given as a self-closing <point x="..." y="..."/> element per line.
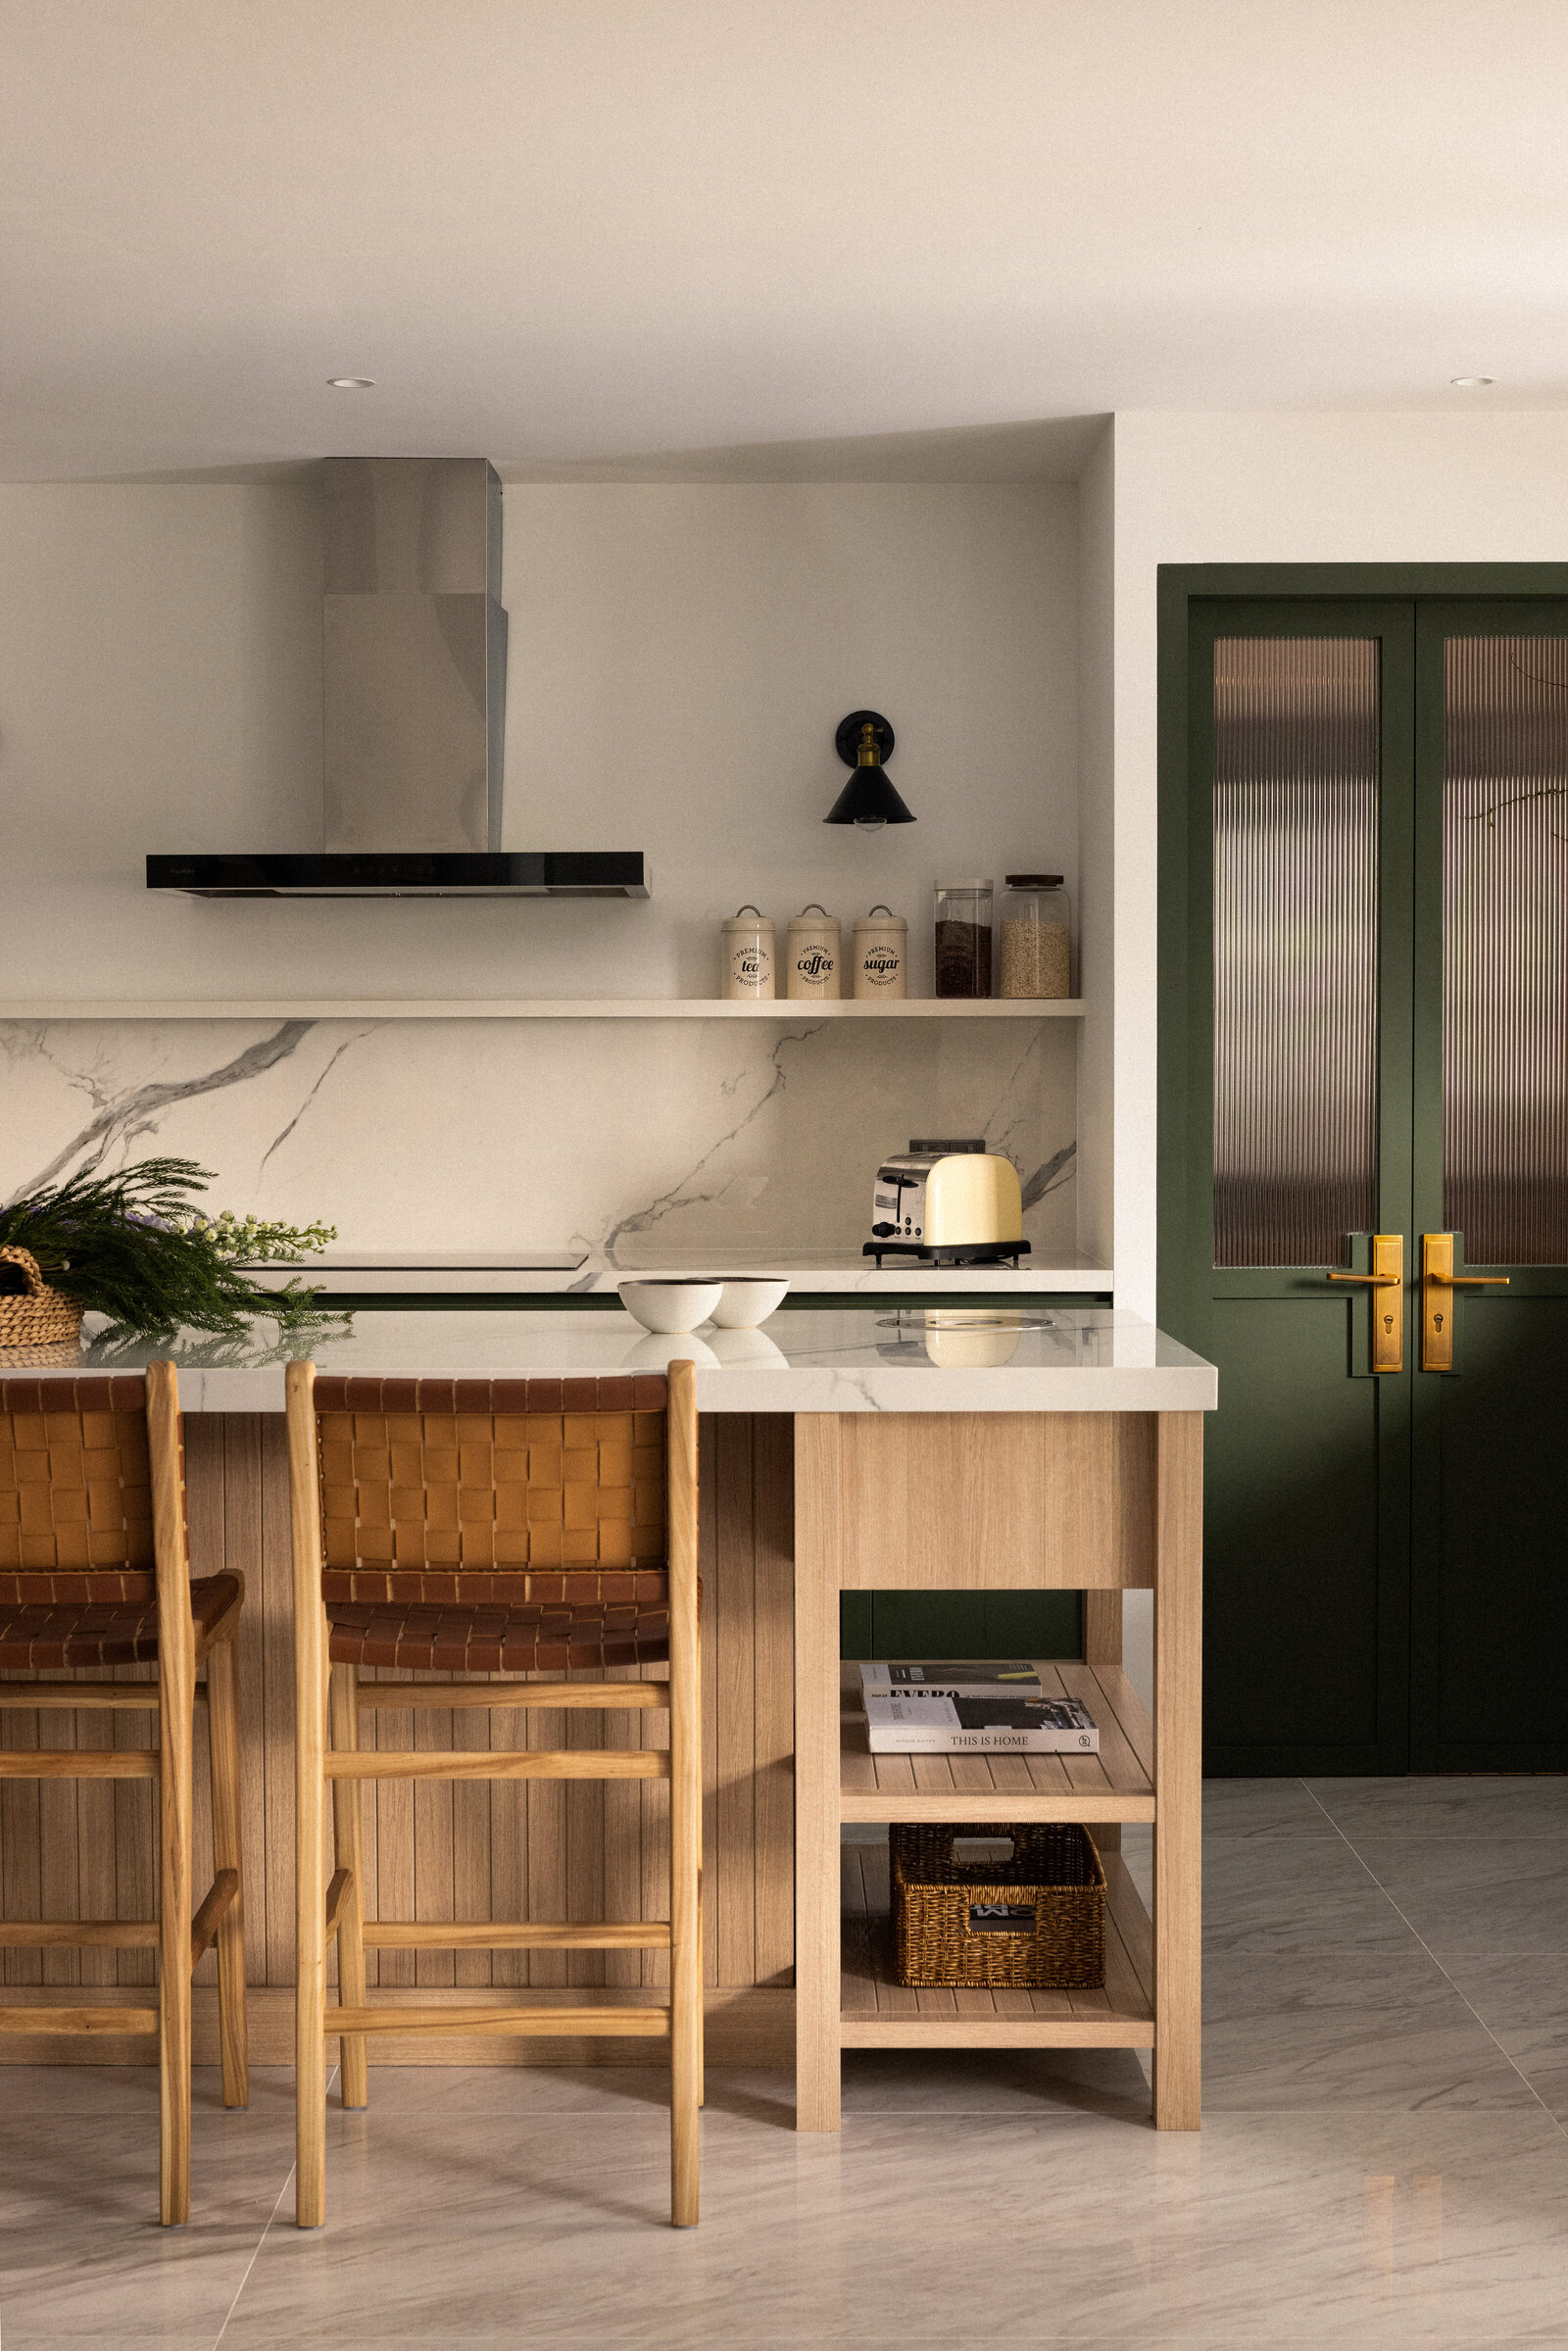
<point x="1437" y="1302"/>
<point x="1386" y="1282"/>
<point x="1438" y="1282"/>
<point x="1387" y="1301"/>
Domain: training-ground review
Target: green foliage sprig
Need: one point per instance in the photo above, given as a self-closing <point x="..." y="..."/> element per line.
<point x="132" y="1246"/>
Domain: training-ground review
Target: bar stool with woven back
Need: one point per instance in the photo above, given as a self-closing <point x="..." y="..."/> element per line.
<point x="95" y="1574"/>
<point x="485" y="1528"/>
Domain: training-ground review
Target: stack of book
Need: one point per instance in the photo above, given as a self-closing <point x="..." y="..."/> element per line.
<point x="952" y="1707"/>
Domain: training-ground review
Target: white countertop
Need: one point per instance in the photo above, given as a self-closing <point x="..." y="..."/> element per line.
<point x="592" y="1274"/>
<point x="852" y="1360"/>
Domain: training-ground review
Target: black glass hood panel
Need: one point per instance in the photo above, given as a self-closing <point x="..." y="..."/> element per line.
<point x="409" y="873"/>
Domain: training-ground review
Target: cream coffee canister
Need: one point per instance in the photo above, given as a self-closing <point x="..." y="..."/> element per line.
<point x="747" y="957"/>
<point x="814" y="955"/>
<point x="881" y="955"/>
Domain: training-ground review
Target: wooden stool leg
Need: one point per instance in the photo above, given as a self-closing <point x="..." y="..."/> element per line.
<point x="176" y="1736"/>
<point x="310" y="1995"/>
<point x="222" y="1733"/>
<point x="347" y="1816"/>
<point x="686" y="2011"/>
<point x="685" y="1809"/>
<point x="310" y="1804"/>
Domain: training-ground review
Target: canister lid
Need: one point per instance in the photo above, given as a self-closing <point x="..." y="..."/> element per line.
<point x="813" y="918"/>
<point x="748" y="919"/>
<point x="965" y="885"/>
<point x="1033" y="881"/>
<point x="880" y="918"/>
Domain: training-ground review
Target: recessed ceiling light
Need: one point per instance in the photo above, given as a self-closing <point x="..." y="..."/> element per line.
<point x="1470" y="383"/>
<point x="366" y="383"/>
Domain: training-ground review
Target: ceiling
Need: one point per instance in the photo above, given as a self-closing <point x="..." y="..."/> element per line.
<point x="684" y="238"/>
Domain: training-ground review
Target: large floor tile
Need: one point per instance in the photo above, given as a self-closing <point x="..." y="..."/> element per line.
<point x="82" y="2258"/>
<point x="1293" y="1897"/>
<point x="1444" y="1807"/>
<point x="1475" y="1894"/>
<point x="1262" y="1808"/>
<point x="1522" y="1998"/>
<point x="1345" y="2027"/>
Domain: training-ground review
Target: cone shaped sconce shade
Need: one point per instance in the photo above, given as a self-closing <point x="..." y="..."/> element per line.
<point x="863" y="740"/>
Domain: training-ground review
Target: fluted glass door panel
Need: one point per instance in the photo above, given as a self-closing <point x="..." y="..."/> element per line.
<point x="1505" y="948"/>
<point x="1295" y="946"/>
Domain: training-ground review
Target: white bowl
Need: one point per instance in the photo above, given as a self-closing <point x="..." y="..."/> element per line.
<point x="746" y="1303"/>
<point x="670" y="1305"/>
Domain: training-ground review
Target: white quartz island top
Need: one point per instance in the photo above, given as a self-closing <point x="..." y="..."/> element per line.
<point x="852" y="1360"/>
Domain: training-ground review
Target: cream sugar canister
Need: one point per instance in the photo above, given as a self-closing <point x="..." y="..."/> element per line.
<point x="749" y="960"/>
<point x="881" y="955"/>
<point x="813" y="956"/>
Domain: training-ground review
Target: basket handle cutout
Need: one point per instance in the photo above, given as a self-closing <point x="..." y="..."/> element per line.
<point x="1002" y="1918"/>
<point x="975" y="1849"/>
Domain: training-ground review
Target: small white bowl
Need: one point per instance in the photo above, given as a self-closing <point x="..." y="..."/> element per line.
<point x="746" y="1303"/>
<point x="670" y="1305"/>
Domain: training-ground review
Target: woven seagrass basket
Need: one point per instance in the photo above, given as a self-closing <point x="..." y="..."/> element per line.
<point x="37" y="1318"/>
<point x="1035" y="1921"/>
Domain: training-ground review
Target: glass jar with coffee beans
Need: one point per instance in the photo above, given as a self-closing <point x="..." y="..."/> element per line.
<point x="963" y="938"/>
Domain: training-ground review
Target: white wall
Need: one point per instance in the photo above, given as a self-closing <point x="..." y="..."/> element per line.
<point x="1096" y="786"/>
<point x="680" y="657"/>
<point x="1278" y="488"/>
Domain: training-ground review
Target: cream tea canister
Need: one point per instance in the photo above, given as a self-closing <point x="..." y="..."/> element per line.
<point x="813" y="956"/>
<point x="881" y="955"/>
<point x="749" y="959"/>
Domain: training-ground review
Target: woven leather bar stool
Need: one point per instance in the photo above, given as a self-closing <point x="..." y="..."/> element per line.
<point x="95" y="1573"/>
<point x="487" y="1526"/>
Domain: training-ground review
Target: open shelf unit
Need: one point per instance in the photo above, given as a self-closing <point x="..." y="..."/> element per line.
<point x="1115" y="1785"/>
<point x="533" y="1007"/>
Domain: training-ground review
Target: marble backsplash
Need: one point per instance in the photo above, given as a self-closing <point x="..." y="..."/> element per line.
<point x="609" y="1135"/>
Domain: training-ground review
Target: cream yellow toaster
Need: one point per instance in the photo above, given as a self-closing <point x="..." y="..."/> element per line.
<point x="947" y="1204"/>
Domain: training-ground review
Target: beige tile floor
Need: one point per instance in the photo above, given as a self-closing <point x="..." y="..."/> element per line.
<point x="1384" y="2160"/>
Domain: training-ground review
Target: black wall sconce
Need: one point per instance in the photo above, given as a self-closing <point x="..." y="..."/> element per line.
<point x="863" y="740"/>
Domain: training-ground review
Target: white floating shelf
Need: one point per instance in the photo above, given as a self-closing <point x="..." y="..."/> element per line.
<point x="537" y="1008"/>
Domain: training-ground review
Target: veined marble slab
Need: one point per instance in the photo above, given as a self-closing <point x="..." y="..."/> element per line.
<point x="631" y="1141"/>
<point x="952" y="1359"/>
<point x="451" y="1274"/>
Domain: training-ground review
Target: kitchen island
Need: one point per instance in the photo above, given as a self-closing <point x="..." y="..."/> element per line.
<point x="1018" y="1448"/>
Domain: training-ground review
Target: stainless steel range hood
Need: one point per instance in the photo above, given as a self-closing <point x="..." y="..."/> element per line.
<point x="414" y="645"/>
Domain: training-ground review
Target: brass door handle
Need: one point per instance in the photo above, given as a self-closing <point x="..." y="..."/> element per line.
<point x="1387" y="1317"/>
<point x="1439" y="1281"/>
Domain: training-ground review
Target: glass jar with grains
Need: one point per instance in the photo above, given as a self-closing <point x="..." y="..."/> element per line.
<point x="1036" y="935"/>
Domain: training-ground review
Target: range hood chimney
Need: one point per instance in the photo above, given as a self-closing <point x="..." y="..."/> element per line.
<point x="414" y="645"/>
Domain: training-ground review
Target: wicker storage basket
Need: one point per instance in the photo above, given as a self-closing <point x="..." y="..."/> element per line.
<point x="950" y="1922"/>
<point x="40" y="1317"/>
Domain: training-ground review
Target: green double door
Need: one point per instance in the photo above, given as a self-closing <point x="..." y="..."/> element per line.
<point x="1364" y="872"/>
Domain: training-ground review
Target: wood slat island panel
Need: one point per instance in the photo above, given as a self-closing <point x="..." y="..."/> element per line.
<point x="514" y="1850"/>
